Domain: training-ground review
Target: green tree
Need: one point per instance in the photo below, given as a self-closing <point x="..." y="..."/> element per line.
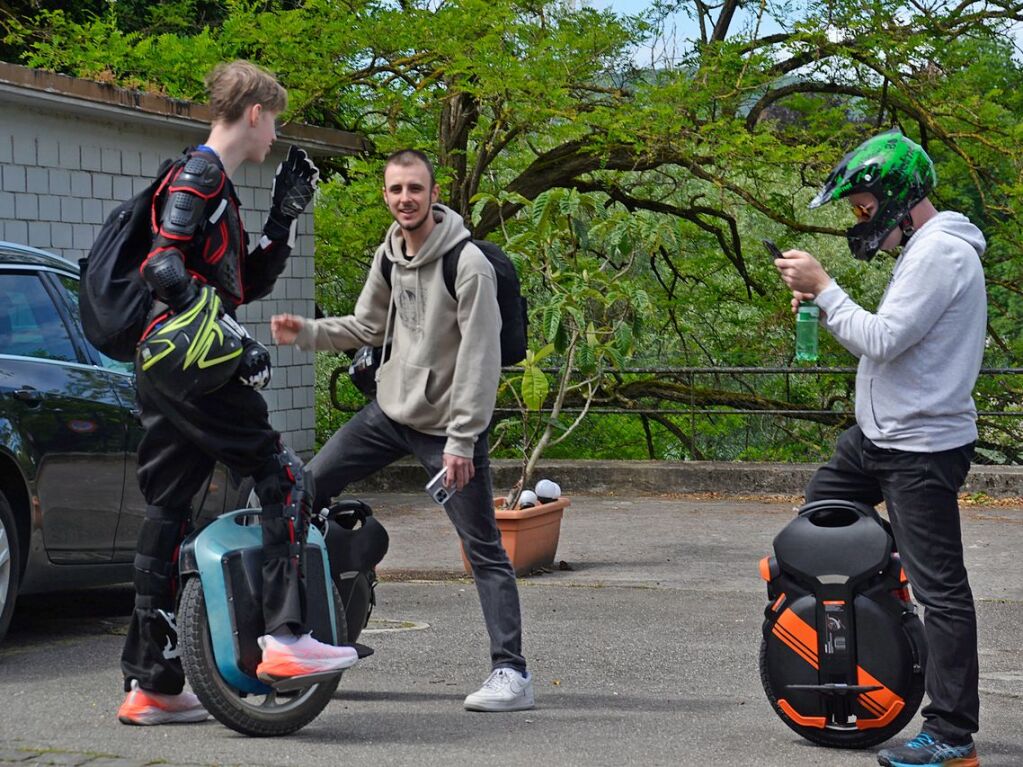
<point x="719" y="140"/>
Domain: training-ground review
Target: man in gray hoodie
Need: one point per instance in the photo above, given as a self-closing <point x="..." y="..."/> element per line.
<point x="436" y="389"/>
<point x="919" y="356"/>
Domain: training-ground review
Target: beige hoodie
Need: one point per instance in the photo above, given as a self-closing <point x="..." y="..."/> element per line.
<point x="442" y="373"/>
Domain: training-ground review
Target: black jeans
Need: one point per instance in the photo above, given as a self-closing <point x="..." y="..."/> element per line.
<point x="371" y="441"/>
<point x="921" y="491"/>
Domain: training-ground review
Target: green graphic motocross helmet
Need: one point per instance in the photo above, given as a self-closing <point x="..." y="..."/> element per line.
<point x="193" y="352"/>
<point x="897" y="171"/>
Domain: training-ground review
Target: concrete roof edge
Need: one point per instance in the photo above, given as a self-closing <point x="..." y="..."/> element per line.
<point x="104" y="97"/>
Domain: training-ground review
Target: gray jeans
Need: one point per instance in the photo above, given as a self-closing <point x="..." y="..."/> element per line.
<point x="371" y="441"/>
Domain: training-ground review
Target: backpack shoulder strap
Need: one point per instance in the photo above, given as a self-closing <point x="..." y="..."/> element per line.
<point x="451" y="265"/>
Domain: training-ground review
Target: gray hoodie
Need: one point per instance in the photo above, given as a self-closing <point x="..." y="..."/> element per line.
<point x="444" y="367"/>
<point x="921" y="352"/>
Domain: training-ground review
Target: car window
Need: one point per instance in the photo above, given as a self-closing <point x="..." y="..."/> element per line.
<point x="30" y="325"/>
<point x="70" y="289"/>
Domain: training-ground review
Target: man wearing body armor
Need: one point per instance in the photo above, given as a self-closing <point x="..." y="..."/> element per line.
<point x="198" y="375"/>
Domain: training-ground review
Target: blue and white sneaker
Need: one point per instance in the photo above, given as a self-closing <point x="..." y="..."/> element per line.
<point x="925" y="751"/>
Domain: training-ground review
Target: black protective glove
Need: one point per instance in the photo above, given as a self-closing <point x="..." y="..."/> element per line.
<point x="293" y="188"/>
<point x="254" y="368"/>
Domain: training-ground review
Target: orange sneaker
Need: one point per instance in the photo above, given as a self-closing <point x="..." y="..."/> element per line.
<point x="146" y="707"/>
<point x="303" y="657"/>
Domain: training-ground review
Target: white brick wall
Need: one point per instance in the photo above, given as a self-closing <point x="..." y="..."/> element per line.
<point x="61" y="174"/>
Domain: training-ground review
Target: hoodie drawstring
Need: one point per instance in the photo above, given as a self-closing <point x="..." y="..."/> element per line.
<point x="384" y="352"/>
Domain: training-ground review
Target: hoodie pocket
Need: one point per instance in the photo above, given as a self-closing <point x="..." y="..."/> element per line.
<point x="418" y="383"/>
<point x="404" y="394"/>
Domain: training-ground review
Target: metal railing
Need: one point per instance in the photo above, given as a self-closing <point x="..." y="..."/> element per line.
<point x="693" y="417"/>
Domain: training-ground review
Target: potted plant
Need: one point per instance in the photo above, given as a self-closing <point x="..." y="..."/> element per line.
<point x="578" y="252"/>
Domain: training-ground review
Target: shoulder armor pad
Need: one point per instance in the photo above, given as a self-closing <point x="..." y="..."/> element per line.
<point x="200" y="176"/>
<point x="198" y="181"/>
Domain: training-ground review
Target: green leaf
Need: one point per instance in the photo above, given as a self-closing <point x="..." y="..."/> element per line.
<point x="534" y="388"/>
<point x="543" y="354"/>
<point x="570" y="202"/>
<point x="586" y="358"/>
<point x="541" y="210"/>
<point x="481" y="201"/>
<point x="551" y="321"/>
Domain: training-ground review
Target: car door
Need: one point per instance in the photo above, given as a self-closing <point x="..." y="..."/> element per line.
<point x="121" y="378"/>
<point x="71" y="420"/>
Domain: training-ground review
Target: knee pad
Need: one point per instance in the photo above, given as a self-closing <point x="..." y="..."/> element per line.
<point x="156" y="555"/>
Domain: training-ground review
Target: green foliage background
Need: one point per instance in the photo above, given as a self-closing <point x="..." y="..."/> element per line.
<point x="688" y="152"/>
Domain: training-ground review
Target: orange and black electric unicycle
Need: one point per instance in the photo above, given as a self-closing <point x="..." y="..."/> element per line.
<point x="843" y="651"/>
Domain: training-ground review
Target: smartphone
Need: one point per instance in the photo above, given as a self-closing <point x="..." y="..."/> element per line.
<point x="772" y="249"/>
<point x="435" y="487"/>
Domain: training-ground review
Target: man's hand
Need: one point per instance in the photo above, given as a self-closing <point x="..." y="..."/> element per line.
<point x="802" y="273"/>
<point x="293" y="188"/>
<point x="285" y="327"/>
<point x="254" y="368"/>
<point x="460" y="470"/>
<point x="798" y="298"/>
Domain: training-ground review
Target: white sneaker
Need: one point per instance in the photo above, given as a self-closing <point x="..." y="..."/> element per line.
<point x="505" y="690"/>
<point x="301" y="657"/>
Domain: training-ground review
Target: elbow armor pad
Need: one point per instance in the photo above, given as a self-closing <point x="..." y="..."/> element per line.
<point x="165" y="273"/>
<point x="198" y="181"/>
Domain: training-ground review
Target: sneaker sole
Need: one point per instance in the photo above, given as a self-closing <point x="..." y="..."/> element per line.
<point x="496" y="707"/>
<point x="968" y="761"/>
<point x="279" y="672"/>
<point x="163" y="717"/>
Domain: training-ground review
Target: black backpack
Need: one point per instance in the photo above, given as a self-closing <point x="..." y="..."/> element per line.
<point x="510" y="301"/>
<point x="113" y="300"/>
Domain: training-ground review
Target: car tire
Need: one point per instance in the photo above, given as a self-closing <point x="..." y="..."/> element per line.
<point x="10" y="564"/>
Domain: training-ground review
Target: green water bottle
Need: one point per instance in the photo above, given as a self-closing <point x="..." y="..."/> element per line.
<point x="807" y="317"/>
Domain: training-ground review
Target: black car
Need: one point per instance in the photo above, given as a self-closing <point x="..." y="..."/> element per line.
<point x="70" y="507"/>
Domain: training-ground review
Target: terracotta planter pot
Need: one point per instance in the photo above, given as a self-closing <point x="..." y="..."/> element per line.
<point x="530" y="536"/>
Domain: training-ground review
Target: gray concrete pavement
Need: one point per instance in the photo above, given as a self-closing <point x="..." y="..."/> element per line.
<point x="644" y="653"/>
<point x="600" y="476"/>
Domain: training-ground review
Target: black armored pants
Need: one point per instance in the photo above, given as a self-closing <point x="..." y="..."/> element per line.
<point x="182" y="442"/>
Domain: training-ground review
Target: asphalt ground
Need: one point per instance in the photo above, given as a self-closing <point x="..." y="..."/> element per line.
<point x="643" y="645"/>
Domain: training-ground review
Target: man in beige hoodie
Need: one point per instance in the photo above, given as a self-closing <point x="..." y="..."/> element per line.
<point x="436" y="389"/>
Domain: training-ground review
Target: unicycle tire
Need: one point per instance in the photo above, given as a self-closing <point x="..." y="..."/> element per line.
<point x="256" y="715"/>
<point x="850" y="738"/>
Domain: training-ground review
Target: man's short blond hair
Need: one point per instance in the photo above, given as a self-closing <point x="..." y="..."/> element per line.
<point x="234" y="87"/>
